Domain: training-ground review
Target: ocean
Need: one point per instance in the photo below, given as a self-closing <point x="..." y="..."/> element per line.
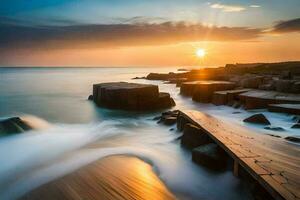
<point x="69" y="126"/>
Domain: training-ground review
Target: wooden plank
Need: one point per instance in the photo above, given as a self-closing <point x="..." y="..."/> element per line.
<point x="274" y="164"/>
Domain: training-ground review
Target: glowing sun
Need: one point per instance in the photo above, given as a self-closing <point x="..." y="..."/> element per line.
<point x="200" y="53"/>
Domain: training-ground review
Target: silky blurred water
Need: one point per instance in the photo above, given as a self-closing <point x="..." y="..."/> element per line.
<point x="78" y="132"/>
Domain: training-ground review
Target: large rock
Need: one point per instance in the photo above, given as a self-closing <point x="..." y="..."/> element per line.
<point x="204" y="90"/>
<point x="258" y="119"/>
<point x="194" y="136"/>
<point x="13" y="125"/>
<point x="252" y="82"/>
<point x="284" y="85"/>
<point x="256" y="99"/>
<point x="227" y="96"/>
<point x="130" y="96"/>
<point x="210" y="155"/>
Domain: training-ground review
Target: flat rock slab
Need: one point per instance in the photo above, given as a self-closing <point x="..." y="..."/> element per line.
<point x="256" y="99"/>
<point x="227" y="96"/>
<point x="202" y="91"/>
<point x="130" y="96"/>
<point x="285" y="108"/>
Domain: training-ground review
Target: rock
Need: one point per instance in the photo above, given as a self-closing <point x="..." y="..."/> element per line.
<point x="158" y="76"/>
<point x="170" y="120"/>
<point x="165" y="101"/>
<point x="257" y="99"/>
<point x="236" y="112"/>
<point x="194" y="136"/>
<point x="143" y="77"/>
<point x="285" y="108"/>
<point x="252" y="82"/>
<point x="274" y="128"/>
<point x="210" y="155"/>
<point x="284" y="85"/>
<point x="295" y="88"/>
<point x="171" y="129"/>
<point x="286" y="75"/>
<point x="277" y="136"/>
<point x="258" y="119"/>
<point x="181" y="122"/>
<point x="293" y="138"/>
<point x="130" y="96"/>
<point x="90" y="98"/>
<point x="204" y="90"/>
<point x="13" y="125"/>
<point x="297" y="125"/>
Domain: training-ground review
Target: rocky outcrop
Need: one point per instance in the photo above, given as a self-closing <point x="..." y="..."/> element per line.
<point x="256" y="99"/>
<point x="130" y="96"/>
<point x="252" y="82"/>
<point x="13" y="125"/>
<point x="227" y="96"/>
<point x="210" y="155"/>
<point x="202" y="91"/>
<point x="257" y="119"/>
<point x="194" y="136"/>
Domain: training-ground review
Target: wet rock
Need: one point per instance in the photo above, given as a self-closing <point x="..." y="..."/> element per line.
<point x="274" y="128"/>
<point x="210" y="155"/>
<point x="284" y="85"/>
<point x="257" y="119"/>
<point x="204" y="90"/>
<point x="252" y="82"/>
<point x="297" y="125"/>
<point x="293" y="139"/>
<point x="170" y="120"/>
<point x="131" y="96"/>
<point x="91" y="98"/>
<point x="236" y="112"/>
<point x="194" y="136"/>
<point x="13" y="125"/>
<point x="277" y="136"/>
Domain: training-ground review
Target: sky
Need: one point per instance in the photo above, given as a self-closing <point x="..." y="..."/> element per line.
<point x="147" y="32"/>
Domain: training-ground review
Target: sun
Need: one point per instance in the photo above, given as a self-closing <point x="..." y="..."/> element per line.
<point x="200" y="53"/>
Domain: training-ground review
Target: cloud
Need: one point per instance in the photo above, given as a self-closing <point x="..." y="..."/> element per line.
<point x="255" y="6"/>
<point x="292" y="25"/>
<point x="14" y="36"/>
<point x="228" y="8"/>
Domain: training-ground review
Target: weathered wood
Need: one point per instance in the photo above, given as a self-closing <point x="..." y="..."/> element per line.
<point x="274" y="164"/>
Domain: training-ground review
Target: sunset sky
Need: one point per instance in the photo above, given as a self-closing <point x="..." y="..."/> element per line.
<point x="147" y="32"/>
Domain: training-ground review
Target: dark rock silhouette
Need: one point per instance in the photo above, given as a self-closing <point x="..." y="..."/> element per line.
<point x="13" y="125"/>
<point x="257" y="119"/>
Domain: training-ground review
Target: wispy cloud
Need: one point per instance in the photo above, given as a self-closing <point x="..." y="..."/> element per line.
<point x="227" y="8"/>
<point x="292" y="25"/>
<point x="255" y="6"/>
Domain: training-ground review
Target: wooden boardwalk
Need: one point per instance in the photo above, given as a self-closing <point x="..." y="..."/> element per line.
<point x="273" y="162"/>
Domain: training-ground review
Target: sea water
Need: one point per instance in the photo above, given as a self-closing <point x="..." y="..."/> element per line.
<point x="72" y="132"/>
